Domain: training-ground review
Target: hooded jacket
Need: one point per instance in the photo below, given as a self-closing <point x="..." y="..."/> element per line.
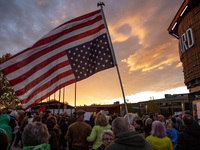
<point x="44" y="146"/>
<point x="129" y="141"/>
<point x="189" y="138"/>
<point x="173" y="135"/>
<point x="4" y="120"/>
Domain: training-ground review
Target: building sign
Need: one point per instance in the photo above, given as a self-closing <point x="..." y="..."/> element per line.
<point x="186" y="41"/>
<point x="195" y="107"/>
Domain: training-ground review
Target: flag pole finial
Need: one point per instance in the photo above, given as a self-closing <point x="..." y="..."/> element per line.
<point x="101" y="4"/>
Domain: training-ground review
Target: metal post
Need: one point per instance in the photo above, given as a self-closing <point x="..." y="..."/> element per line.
<point x="101" y="4"/>
<point x="75" y="97"/>
<point x="59" y="102"/>
<point x="63" y="99"/>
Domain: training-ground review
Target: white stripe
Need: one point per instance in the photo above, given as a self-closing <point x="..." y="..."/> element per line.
<point x="58" y="72"/>
<point x="39" y="73"/>
<point x="35" y="50"/>
<point x="69" y="25"/>
<point x="28" y="67"/>
<point x="31" y="65"/>
<point x="51" y="88"/>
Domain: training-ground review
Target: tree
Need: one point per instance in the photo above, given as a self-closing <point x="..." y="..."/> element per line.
<point x="153" y="107"/>
<point x="7" y="94"/>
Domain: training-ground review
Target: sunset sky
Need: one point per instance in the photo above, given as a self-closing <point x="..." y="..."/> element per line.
<point x="147" y="55"/>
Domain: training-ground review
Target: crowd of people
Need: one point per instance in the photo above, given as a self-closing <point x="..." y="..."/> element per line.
<point x="45" y="131"/>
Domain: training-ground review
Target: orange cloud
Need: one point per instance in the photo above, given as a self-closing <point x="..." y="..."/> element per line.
<point x="154" y="58"/>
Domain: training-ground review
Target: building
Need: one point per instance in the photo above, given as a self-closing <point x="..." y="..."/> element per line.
<point x="108" y="109"/>
<point x="186" y="28"/>
<point x="169" y="105"/>
<point x="55" y="107"/>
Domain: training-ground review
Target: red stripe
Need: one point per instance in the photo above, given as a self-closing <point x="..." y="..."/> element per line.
<point x="80" y="18"/>
<point x="67" y="31"/>
<point x="73" y="20"/>
<point x="50" y="93"/>
<point x="47" y="85"/>
<point x="31" y="58"/>
<point x="41" y="78"/>
<point x="36" y="68"/>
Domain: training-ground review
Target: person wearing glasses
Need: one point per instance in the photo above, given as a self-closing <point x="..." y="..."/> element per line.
<point x="107" y="138"/>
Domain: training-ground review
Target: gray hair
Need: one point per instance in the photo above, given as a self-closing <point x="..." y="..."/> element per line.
<point x="120" y="125"/>
<point x="149" y="121"/>
<point x="106" y="132"/>
<point x="21" y="112"/>
<point x="13" y="114"/>
<point x="35" y="133"/>
<point x="131" y="117"/>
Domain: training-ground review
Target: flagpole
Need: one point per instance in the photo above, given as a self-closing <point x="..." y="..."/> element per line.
<point x="101" y="4"/>
<point x="75" y="98"/>
<point x="63" y="99"/>
<point x="54" y="100"/>
<point x="59" y="102"/>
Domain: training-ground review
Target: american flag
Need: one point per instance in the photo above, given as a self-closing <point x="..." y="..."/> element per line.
<point x="69" y="53"/>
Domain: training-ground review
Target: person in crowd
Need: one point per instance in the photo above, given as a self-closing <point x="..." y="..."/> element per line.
<point x="107" y="138"/>
<point x="35" y="136"/>
<point x="171" y="132"/>
<point x="101" y="123"/>
<point x="72" y="119"/>
<point x="4" y="142"/>
<point x="46" y="115"/>
<point x="158" y="138"/>
<point x="161" y="118"/>
<point x="147" y="127"/>
<point x="179" y="122"/>
<point x="18" y="138"/>
<point x="131" y="118"/>
<point x="13" y="124"/>
<point x="92" y="118"/>
<point x="51" y="123"/>
<point x="37" y="118"/>
<point x="189" y="137"/>
<point x="173" y="119"/>
<point x="139" y="126"/>
<point x="78" y="132"/>
<point x="4" y="120"/>
<point x="126" y="140"/>
<point x="63" y="128"/>
<point x="132" y="121"/>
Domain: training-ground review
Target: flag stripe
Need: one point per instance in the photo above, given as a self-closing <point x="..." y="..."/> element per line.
<point x="31" y="58"/>
<point x="46" y="80"/>
<point x="81" y="18"/>
<point x="37" y="68"/>
<point x="41" y="78"/>
<point x="32" y="103"/>
<point x="66" y="31"/>
<point x="49" y="84"/>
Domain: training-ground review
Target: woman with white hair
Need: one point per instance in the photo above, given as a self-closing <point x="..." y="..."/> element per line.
<point x="107" y="138"/>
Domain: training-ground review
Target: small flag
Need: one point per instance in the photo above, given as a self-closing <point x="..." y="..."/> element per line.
<point x="42" y="109"/>
<point x="69" y="53"/>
